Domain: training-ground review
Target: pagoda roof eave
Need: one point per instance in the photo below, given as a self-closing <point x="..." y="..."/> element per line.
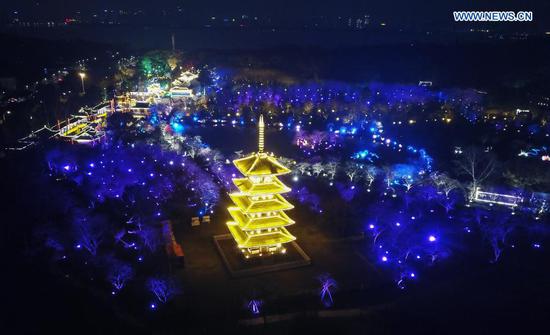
<point x="277" y="203"/>
<point x="246" y="223"/>
<point x="245" y="186"/>
<point x="243" y="240"/>
<point x="260" y="164"/>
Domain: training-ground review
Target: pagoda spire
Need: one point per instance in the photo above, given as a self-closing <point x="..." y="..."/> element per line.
<point x="261" y="134"/>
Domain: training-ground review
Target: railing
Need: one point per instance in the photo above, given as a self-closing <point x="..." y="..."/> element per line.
<point x="497" y="198"/>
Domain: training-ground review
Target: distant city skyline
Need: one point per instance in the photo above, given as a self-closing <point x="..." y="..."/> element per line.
<point x="411" y="14"/>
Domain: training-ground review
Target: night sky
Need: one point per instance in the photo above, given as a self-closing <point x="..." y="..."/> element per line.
<point x="411" y="12"/>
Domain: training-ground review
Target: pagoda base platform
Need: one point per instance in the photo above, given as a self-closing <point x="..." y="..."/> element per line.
<point x="239" y="266"/>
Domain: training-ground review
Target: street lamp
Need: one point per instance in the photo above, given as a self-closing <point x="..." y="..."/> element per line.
<point x="82" y="76"/>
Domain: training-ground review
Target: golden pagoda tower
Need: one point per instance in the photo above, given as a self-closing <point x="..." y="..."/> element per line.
<point x="259" y="221"/>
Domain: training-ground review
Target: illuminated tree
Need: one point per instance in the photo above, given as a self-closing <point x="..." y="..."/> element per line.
<point x="528" y="174"/>
<point x="328" y="284"/>
<point x="447" y="202"/>
<point x="477" y="214"/>
<point x="347" y="193"/>
<point x="146" y="67"/>
<point x="495" y="229"/>
<point x="254" y="306"/>
<point x="193" y="146"/>
<point x="370" y="173"/>
<point x="173" y="61"/>
<point x="126" y="71"/>
<point x="303" y="167"/>
<point x="119" y="238"/>
<point x="119" y="273"/>
<point x="207" y="191"/>
<point x="427" y="193"/>
<point x="150" y="237"/>
<point x="477" y="165"/>
<point x="304" y="196"/>
<point x="376" y="229"/>
<point x="352" y="170"/>
<point x="444" y="183"/>
<point x="331" y="168"/>
<point x="408" y="182"/>
<point x="389" y="176"/>
<point x="154" y="64"/>
<point x="288" y="162"/>
<point x="89" y="232"/>
<point x="239" y="153"/>
<point x="164" y="289"/>
<point x="317" y="168"/>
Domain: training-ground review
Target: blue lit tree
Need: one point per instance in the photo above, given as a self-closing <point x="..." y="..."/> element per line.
<point x="328" y="285"/>
<point x="89" y="231"/>
<point x="448" y="202"/>
<point x="254" y="306"/>
<point x="119" y="273"/>
<point x="150" y="237"/>
<point x="496" y="229"/>
<point x="304" y="196"/>
<point x="164" y="289"/>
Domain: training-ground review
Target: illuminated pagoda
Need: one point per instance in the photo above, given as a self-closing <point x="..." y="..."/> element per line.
<point x="259" y="220"/>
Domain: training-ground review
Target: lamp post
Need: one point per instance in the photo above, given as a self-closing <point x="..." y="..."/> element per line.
<point x="82" y="76"/>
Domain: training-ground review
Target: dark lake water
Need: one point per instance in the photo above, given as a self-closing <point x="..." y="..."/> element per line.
<point x="230" y="139"/>
<point x="140" y="37"/>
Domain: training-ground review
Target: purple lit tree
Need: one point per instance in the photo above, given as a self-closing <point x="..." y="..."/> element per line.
<point x="347" y="193"/>
<point x="447" y="202"/>
<point x="89" y="231"/>
<point x="150" y="237"/>
<point x="304" y="196"/>
<point x="376" y="232"/>
<point x="254" y="306"/>
<point x="328" y="284"/>
<point x="427" y="193"/>
<point x="495" y="229"/>
<point x="118" y="273"/>
<point x="479" y="214"/>
<point x="164" y="289"/>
